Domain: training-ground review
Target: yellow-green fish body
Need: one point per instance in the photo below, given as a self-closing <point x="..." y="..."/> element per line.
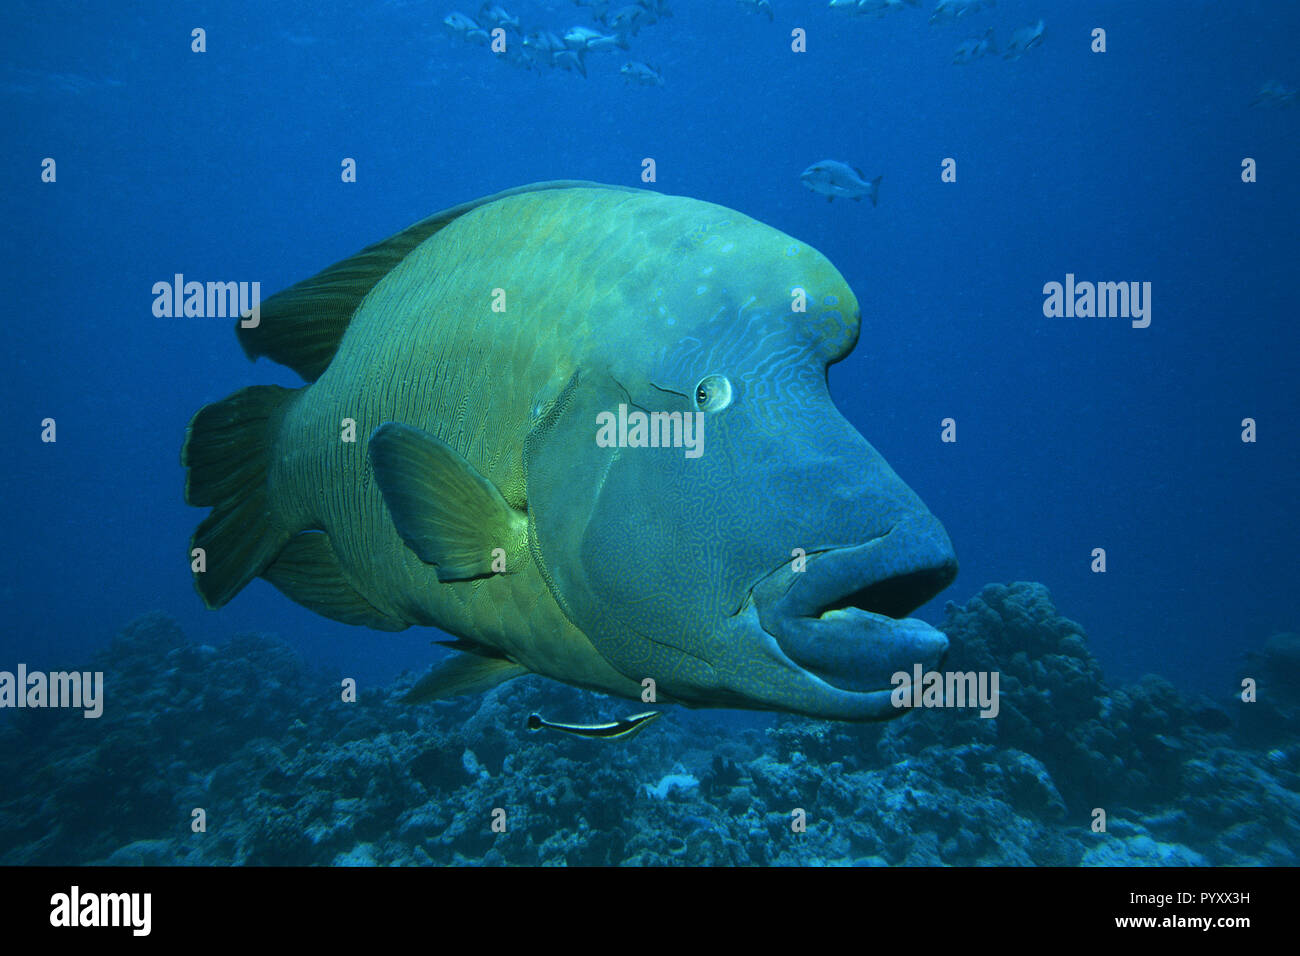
<point x="442" y="467"/>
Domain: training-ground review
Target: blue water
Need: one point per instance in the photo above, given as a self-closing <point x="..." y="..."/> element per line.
<point x="1073" y="434"/>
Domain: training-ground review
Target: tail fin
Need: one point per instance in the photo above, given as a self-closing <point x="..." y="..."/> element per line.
<point x="227" y="447"/>
<point x="875" y="190"/>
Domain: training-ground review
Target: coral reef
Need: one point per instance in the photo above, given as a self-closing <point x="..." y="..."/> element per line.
<point x="285" y="772"/>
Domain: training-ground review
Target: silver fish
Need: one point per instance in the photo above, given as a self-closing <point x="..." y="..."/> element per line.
<point x="831" y="178"/>
<point x="642" y="73"/>
<point x="975" y="48"/>
<point x="758" y="6"/>
<point x="585" y="38"/>
<point x="948" y="11"/>
<point x="463" y="26"/>
<point x="544" y="42"/>
<point x="880" y="8"/>
<point x="498" y="16"/>
<point x="571" y="60"/>
<point x="628" y="19"/>
<point x="1276" y="95"/>
<point x="1024" y="40"/>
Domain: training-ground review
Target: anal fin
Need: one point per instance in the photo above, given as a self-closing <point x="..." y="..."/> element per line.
<point x="463" y="674"/>
<point x="471" y="647"/>
<point x="308" y="571"/>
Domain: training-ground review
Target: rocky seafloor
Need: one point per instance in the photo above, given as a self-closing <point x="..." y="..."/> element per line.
<point x="287" y="773"/>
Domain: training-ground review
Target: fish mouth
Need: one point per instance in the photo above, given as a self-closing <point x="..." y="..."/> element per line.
<point x="843" y="620"/>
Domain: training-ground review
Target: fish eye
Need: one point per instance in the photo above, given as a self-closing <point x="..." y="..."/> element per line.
<point x="713" y="394"/>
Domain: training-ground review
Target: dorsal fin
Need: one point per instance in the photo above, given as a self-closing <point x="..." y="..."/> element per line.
<point x="302" y="326"/>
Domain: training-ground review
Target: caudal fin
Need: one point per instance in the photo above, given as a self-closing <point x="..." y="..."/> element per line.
<point x="875" y="190"/>
<point x="227" y="447"/>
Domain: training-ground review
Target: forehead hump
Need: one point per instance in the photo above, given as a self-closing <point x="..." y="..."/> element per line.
<point x="738" y="277"/>
<point x="643" y="269"/>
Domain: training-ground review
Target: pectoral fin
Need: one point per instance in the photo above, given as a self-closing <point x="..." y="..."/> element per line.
<point x="443" y="508"/>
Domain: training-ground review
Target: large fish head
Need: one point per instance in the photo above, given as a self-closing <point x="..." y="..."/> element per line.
<point x="773" y="564"/>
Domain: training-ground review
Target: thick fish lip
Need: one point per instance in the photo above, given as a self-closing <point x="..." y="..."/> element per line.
<point x="843" y="619"/>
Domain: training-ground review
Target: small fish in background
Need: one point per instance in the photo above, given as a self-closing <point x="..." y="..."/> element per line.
<point x="634" y="71"/>
<point x="879" y="8"/>
<point x="615" y="730"/>
<point x="464" y="27"/>
<point x="949" y="11"/>
<point x="567" y="53"/>
<point x="497" y="16"/>
<point x="831" y="178"/>
<point x="628" y="19"/>
<point x="655" y="10"/>
<point x="596" y="9"/>
<point x="975" y="48"/>
<point x="585" y="38"/>
<point x="1024" y="40"/>
<point x="571" y="60"/>
<point x="1275" y="95"/>
<point x="517" y="54"/>
<point x="543" y="43"/>
<point x="758" y="6"/>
